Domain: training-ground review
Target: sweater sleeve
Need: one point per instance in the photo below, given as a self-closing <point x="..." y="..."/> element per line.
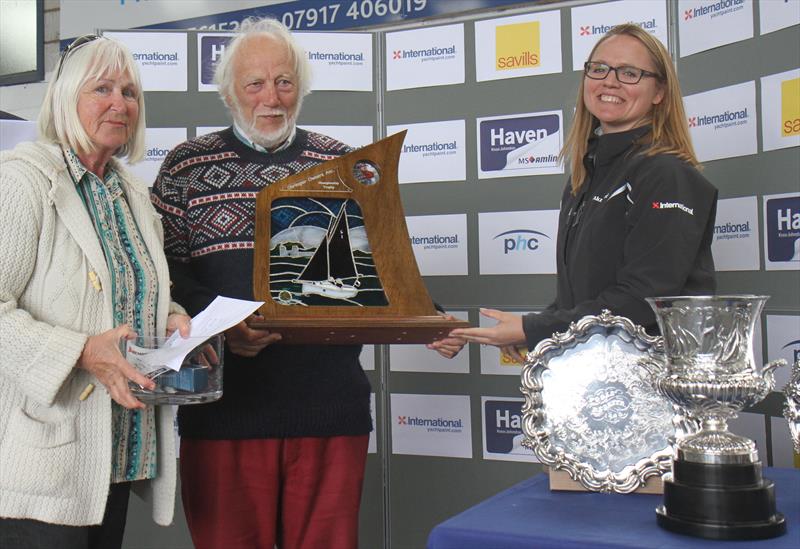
<point x="170" y="200"/>
<point x="35" y="356"/>
<point x="669" y="228"/>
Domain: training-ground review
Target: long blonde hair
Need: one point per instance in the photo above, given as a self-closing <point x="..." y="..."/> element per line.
<point x="670" y="130"/>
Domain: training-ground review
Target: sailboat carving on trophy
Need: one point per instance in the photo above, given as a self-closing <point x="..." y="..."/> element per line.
<point x="333" y="263"/>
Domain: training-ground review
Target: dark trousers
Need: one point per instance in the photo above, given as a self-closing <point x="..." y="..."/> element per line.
<point x="33" y="534"/>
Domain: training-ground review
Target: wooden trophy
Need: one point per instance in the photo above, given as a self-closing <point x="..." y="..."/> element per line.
<point x="333" y="261"/>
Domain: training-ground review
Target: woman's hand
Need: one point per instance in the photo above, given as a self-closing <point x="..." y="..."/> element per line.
<point x="449" y="346"/>
<point x="506" y="333"/>
<point x="102" y="358"/>
<point x="246" y="341"/>
<point x="182" y="323"/>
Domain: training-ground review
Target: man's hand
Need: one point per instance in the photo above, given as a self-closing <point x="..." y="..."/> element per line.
<point x="102" y="358"/>
<point x="246" y="341"/>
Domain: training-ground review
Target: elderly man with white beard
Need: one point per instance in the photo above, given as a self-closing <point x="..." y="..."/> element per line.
<point x="279" y="459"/>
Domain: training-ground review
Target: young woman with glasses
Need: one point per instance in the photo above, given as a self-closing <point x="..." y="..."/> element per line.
<point x="637" y="217"/>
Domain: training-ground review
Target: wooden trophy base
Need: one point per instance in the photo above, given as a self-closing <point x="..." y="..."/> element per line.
<point x="560" y="480"/>
<point x="375" y="329"/>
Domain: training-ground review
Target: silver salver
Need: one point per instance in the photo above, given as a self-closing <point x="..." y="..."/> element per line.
<point x="590" y="407"/>
<point x="791" y="408"/>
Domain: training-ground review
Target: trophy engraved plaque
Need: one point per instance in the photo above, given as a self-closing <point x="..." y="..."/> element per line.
<point x="333" y="261"/>
<point x="791" y="409"/>
<point x="590" y="408"/>
<point x="716" y="489"/>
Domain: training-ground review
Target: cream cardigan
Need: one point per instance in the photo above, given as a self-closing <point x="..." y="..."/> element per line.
<point x="55" y="451"/>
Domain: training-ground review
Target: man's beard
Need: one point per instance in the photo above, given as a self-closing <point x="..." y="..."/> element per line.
<point x="267" y="139"/>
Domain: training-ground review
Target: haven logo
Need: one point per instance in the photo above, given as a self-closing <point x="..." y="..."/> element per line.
<point x="520" y="240"/>
<point x="720" y="120"/>
<point x="592" y="30"/>
<point x="503" y="428"/>
<point x="783" y="228"/>
<point x="432" y="424"/>
<point x="517" y="46"/>
<point x="501" y="138"/>
<point x="211" y="50"/>
<point x="790" y="107"/>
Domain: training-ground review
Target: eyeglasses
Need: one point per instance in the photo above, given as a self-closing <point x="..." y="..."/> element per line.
<point x="625" y="75"/>
<point x="77" y="43"/>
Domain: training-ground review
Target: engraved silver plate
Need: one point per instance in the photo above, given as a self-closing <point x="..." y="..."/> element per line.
<point x="791" y="409"/>
<point x="590" y="406"/>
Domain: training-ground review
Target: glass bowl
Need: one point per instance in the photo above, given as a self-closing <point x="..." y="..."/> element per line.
<point x="198" y="379"/>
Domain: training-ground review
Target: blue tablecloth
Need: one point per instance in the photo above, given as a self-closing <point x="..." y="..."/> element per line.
<point x="528" y="515"/>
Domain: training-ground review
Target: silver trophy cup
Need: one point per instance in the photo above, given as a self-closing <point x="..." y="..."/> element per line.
<point x="715" y="489"/>
<point x="791" y="409"/>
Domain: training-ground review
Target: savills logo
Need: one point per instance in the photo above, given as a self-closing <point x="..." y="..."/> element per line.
<point x="790" y="107"/>
<point x="517" y="46"/>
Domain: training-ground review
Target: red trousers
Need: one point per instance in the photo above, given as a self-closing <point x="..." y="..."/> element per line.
<point x="293" y="493"/>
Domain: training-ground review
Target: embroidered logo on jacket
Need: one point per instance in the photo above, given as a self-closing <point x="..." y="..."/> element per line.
<point x="672" y="206"/>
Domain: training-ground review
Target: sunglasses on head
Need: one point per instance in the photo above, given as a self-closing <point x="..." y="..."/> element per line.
<point x="77" y="43"/>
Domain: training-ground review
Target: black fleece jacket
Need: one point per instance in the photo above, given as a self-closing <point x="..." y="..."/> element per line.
<point x="640" y="226"/>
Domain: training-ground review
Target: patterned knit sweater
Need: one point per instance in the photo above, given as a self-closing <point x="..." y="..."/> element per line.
<point x="206" y="191"/>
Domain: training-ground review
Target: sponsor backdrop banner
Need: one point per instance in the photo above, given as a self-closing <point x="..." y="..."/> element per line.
<point x="431" y="425"/>
<point x="158" y="143"/>
<point x="493" y="362"/>
<point x="425" y="57"/>
<point x="778" y="15"/>
<point x="518" y="242"/>
<point x="439" y="243"/>
<point x="432" y="151"/>
<point x="706" y="24"/>
<point x="590" y="23"/>
<point x="418" y="358"/>
<point x="518" y="145"/>
<point x="84" y="16"/>
<point x="783" y="341"/>
<point x="372" y="447"/>
<point x="722" y="122"/>
<point x="782" y="232"/>
<point x="782" y="453"/>
<point x="367" y="357"/>
<point x="502" y="430"/>
<point x="16" y="131"/>
<point x="524" y="45"/>
<point x="735" y="245"/>
<point x="780" y="110"/>
<point x="210" y="48"/>
<point x="339" y="61"/>
<point x="355" y="136"/>
<point x="203" y="130"/>
<point x="161" y="57"/>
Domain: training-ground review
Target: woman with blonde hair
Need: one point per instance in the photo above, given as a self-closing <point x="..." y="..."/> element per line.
<point x="637" y="217"/>
<point x="81" y="268"/>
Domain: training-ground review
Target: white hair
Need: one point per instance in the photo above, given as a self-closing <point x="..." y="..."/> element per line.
<point x="58" y="119"/>
<point x="270" y="28"/>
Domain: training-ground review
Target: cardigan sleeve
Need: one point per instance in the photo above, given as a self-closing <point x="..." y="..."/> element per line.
<point x="35" y="356"/>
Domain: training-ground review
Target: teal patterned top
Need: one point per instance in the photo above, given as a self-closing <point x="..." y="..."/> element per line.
<point x="134" y="293"/>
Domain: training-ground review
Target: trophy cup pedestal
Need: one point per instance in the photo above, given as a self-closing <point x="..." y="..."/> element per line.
<point x="715" y="489"/>
<point x="719" y="501"/>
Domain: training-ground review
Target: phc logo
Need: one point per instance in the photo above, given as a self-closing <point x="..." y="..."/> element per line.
<point x="402" y="420"/>
<point x="794" y="348"/>
<point x="520" y="240"/>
